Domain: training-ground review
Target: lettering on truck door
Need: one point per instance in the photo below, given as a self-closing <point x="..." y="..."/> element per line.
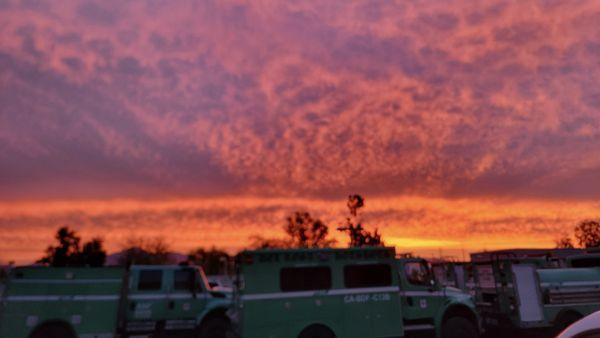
<point x="186" y="300"/>
<point x="147" y="300"/>
<point x="370" y="289"/>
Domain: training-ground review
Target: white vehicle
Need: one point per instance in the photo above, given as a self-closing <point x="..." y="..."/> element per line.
<point x="588" y="327"/>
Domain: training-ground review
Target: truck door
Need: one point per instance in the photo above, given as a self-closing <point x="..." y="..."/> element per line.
<point x="528" y="293"/>
<point x="147" y="300"/>
<point x="357" y="311"/>
<point x="422" y="297"/>
<point x="186" y="300"/>
<point x="371" y="303"/>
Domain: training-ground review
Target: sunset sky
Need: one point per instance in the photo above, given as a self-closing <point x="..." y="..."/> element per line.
<point x="466" y="125"/>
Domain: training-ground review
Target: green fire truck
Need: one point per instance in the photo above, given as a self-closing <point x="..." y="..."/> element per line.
<point x="344" y="293"/>
<point x="532" y="292"/>
<point x="107" y="302"/>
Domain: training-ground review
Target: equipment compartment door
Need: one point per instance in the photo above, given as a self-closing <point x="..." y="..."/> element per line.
<point x="526" y="284"/>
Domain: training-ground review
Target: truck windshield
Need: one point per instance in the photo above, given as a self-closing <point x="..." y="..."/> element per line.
<point x="417" y="273"/>
<point x="203" y="280"/>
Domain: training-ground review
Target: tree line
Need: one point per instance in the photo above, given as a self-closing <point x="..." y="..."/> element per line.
<point x="302" y="231"/>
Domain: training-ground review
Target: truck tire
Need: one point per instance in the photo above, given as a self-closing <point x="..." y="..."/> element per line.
<point x="564" y="321"/>
<point x="316" y="331"/>
<point x="52" y="331"/>
<point x="215" y="327"/>
<point x="458" y="327"/>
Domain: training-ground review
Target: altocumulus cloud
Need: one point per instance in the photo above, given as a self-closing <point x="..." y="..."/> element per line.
<point x="451" y="98"/>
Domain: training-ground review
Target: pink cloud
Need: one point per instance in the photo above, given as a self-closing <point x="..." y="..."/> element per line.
<point x="446" y="98"/>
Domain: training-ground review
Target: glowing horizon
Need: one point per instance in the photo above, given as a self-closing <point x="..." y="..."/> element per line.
<point x="424" y="226"/>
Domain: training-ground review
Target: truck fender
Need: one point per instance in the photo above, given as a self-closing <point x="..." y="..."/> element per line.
<point x="455" y="310"/>
<point x="317" y="330"/>
<point x="42" y="329"/>
<point x="216" y="312"/>
<point x="565" y="318"/>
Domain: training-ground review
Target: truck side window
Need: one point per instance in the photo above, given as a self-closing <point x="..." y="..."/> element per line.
<point x="150" y="280"/>
<point x="305" y="278"/>
<point x="183" y="280"/>
<point x="417" y="273"/>
<point x="362" y="276"/>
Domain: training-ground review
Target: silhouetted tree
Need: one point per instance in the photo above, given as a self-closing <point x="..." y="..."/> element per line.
<point x="588" y="233"/>
<point x="93" y="253"/>
<point x="354" y="203"/>
<point x="68" y="252"/>
<point x="359" y="236"/>
<point x="303" y="232"/>
<point x="213" y="261"/>
<point x="564" y="242"/>
<point x="147" y="252"/>
<point x="306" y="232"/>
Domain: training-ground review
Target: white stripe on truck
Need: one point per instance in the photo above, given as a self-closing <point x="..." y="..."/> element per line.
<point x="421" y="293"/>
<point x="417" y="327"/>
<point x="66" y="281"/>
<point x="49" y="298"/>
<point x="56" y="298"/>
<point x="303" y="294"/>
<point x="575" y="283"/>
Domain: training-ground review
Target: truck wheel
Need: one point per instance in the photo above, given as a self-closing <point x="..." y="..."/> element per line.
<point x="458" y="327"/>
<point x="316" y="331"/>
<point x="564" y="321"/>
<point x="52" y="331"/>
<point x="216" y="327"/>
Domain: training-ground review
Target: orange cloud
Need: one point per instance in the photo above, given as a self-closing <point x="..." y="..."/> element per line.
<point x="426" y="226"/>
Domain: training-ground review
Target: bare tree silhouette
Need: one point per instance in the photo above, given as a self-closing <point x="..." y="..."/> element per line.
<point x="359" y="236"/>
<point x="587" y="233"/>
<point x="354" y="203"/>
<point x="306" y="232"/>
<point x="303" y="231"/>
<point x="564" y="242"/>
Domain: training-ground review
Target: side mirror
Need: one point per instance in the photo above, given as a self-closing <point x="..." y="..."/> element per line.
<point x="432" y="285"/>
